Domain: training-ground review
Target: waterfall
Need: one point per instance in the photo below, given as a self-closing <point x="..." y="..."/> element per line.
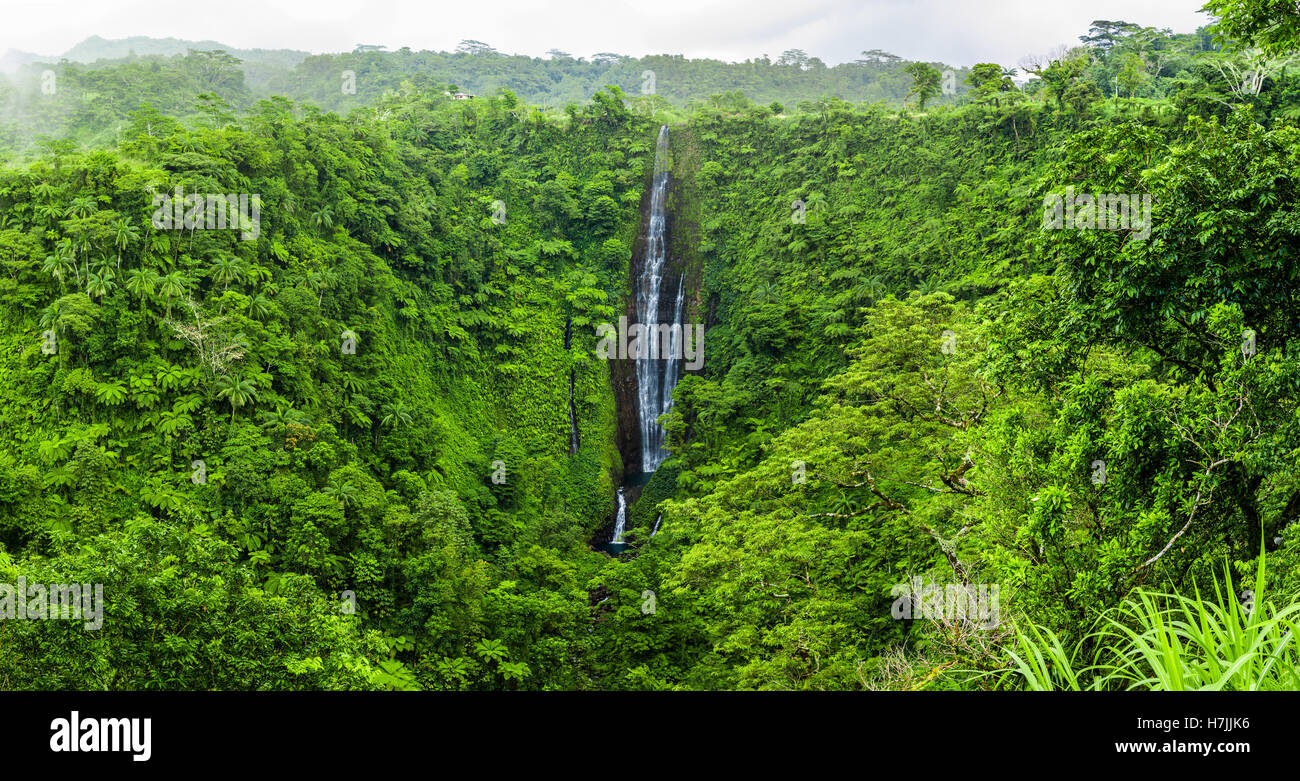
<point x="670" y="366"/>
<point x="655" y="376"/>
<point x="620" y="521"/>
<point x="656" y="529"/>
<point x="657" y="367"/>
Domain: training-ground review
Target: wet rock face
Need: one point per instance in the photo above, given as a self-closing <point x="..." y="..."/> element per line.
<point x="623" y="376"/>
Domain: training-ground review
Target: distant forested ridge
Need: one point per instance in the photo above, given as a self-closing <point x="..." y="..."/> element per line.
<point x="99" y="82"/>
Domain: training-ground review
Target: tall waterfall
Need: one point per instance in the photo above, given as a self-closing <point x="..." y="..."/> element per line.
<point x="656" y="377"/>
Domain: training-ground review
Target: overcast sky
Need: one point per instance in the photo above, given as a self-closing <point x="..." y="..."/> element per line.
<point x="957" y="32"/>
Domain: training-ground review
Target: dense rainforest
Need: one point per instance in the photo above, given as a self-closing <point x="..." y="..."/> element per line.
<point x="363" y="437"/>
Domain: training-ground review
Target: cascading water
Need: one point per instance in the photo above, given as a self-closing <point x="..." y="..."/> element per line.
<point x="670" y="365"/>
<point x="655" y="376"/>
<point x="620" y="520"/>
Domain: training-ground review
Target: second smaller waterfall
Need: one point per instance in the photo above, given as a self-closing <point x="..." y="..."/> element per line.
<point x="620" y="521"/>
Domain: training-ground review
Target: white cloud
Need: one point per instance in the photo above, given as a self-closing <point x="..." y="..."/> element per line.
<point x="959" y="32"/>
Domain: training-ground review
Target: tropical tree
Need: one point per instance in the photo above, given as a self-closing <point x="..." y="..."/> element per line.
<point x="125" y="234"/>
<point x="100" y="283"/>
<point x="141" y="282"/>
<point x="171" y="422"/>
<point x="491" y="650"/>
<point x="396" y="414"/>
<point x="925" y="83"/>
<point x="323" y="218"/>
<point x="259" y="306"/>
<point x="172" y="377"/>
<point x="226" y="269"/>
<point x="59" y="266"/>
<point x="237" y="391"/>
<point x="82" y="207"/>
<point x="344" y="491"/>
<point x="283" y="416"/>
<point x="172" y="286"/>
<point x="111" y="393"/>
<point x="1270" y="25"/>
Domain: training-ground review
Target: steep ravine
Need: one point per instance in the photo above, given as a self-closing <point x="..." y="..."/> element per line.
<point x="662" y="288"/>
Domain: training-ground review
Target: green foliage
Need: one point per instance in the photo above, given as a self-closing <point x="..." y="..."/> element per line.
<point x="1174" y="642"/>
<point x="337" y="455"/>
<point x="925" y="83"/>
<point x="1269" y="24"/>
<point x="180" y="612"/>
<point x="211" y="386"/>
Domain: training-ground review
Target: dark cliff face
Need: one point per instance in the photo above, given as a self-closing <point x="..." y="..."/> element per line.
<point x="684" y="242"/>
<point x="684" y="231"/>
<point x="622" y="372"/>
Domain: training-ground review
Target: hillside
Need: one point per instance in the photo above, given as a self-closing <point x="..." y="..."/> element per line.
<point x="1027" y="349"/>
